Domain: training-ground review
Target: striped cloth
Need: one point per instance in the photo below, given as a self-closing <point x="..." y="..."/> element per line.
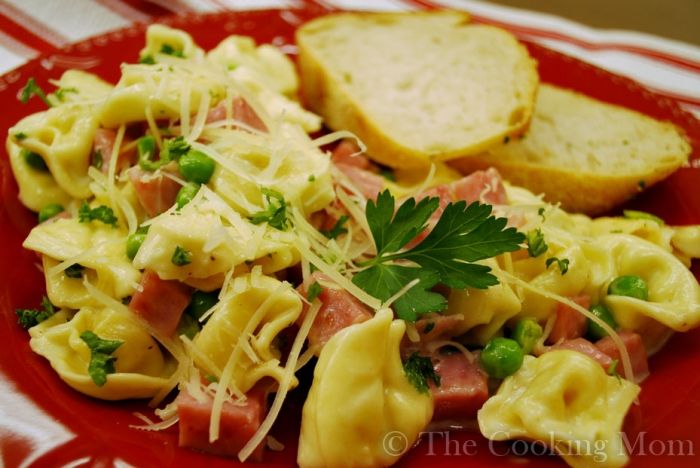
<point x="29" y="28"/>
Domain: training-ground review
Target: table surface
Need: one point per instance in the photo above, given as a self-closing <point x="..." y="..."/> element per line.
<point x="672" y="19"/>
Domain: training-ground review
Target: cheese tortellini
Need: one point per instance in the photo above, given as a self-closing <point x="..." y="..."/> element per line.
<point x="141" y="368"/>
<point x="361" y="368"/>
<point x="242" y="330"/>
<point x="567" y="401"/>
<point x="97" y="247"/>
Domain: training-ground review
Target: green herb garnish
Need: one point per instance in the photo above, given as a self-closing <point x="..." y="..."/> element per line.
<point x="167" y="49"/>
<point x="27" y="318"/>
<point x="635" y="214"/>
<point x="563" y="264"/>
<point x="33" y="89"/>
<point x="101" y="359"/>
<point x="276" y="212"/>
<point x="337" y="228"/>
<point x="536" y="245"/>
<point x="463" y="234"/>
<point x="314" y="291"/>
<point x="60" y="93"/>
<point x="181" y="256"/>
<point x="74" y="271"/>
<point x="101" y="213"/>
<point x="418" y="370"/>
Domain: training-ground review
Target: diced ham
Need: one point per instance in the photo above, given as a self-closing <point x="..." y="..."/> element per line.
<point x="569" y="323"/>
<point x="445" y="196"/>
<point x="584" y="346"/>
<point x="160" y="302"/>
<point x="484" y="186"/>
<point x="339" y="310"/>
<point x="155" y="191"/>
<point x="239" y="422"/>
<point x="368" y="183"/>
<point x="347" y="152"/>
<point x="104" y="144"/>
<point x="635" y="348"/>
<point x="241" y="112"/>
<point x="463" y="388"/>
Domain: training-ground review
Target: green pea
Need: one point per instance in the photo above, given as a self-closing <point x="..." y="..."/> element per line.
<point x="49" y="211"/>
<point x="629" y="285"/>
<point x="501" y="357"/>
<point x="186" y="194"/>
<point x="526" y="334"/>
<point x="595" y="331"/>
<point x="201" y="302"/>
<point x="134" y="241"/>
<point x="34" y="160"/>
<point x="196" y="166"/>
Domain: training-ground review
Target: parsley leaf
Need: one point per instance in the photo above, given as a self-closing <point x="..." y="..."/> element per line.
<point x="463" y="234"/>
<point x="147" y="59"/>
<point x="33" y="89"/>
<point x="536" y="245"/>
<point x="167" y="49"/>
<point x="101" y="360"/>
<point x="60" y="93"/>
<point x="383" y="281"/>
<point x="19" y="136"/>
<point x="276" y="212"/>
<point x="181" y="256"/>
<point x="563" y="264"/>
<point x="174" y="149"/>
<point x="74" y="271"/>
<point x="418" y="370"/>
<point x="27" y="318"/>
<point x="540" y="212"/>
<point x="101" y="213"/>
<point x="337" y="228"/>
<point x="314" y="291"/>
<point x="96" y="159"/>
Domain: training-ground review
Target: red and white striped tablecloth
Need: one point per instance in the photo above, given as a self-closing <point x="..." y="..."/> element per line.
<point x="29" y="28"/>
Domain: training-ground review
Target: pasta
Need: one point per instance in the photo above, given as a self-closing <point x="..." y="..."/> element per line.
<point x="195" y="239"/>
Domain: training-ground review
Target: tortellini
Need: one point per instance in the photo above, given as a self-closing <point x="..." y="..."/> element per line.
<point x="141" y="368"/>
<point x="99" y="248"/>
<point x="361" y="368"/>
<point x="161" y="39"/>
<point x="484" y="310"/>
<point x="567" y="401"/>
<point x="158" y="90"/>
<point x="242" y="330"/>
<point x="81" y="86"/>
<point x="63" y="137"/>
<point x="216" y="244"/>
<point x="286" y="161"/>
<point x="36" y="188"/>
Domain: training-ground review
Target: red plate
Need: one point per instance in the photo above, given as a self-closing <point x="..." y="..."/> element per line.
<point x="45" y="423"/>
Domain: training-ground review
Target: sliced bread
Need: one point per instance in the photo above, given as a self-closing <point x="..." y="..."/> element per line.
<point x="586" y="154"/>
<point x="416" y="87"/>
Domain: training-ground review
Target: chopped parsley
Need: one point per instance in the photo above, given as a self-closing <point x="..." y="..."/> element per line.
<point x="167" y="49"/>
<point x="635" y="214"/>
<point x="174" y="149"/>
<point x="540" y="212"/>
<point x="388" y="174"/>
<point x="337" y="228"/>
<point x="276" y="212"/>
<point x="463" y="234"/>
<point x="101" y="359"/>
<point x="536" y="245"/>
<point x="418" y="370"/>
<point x="60" y="93"/>
<point x="147" y="59"/>
<point x="188" y="326"/>
<point x="27" y="318"/>
<point x="102" y="213"/>
<point x="563" y="264"/>
<point x="428" y="327"/>
<point x="181" y="256"/>
<point x="612" y="369"/>
<point x="314" y="291"/>
<point x="34" y="160"/>
<point x="33" y="89"/>
<point x="74" y="271"/>
<point x="211" y="378"/>
<point x="19" y="136"/>
<point x="97" y="160"/>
